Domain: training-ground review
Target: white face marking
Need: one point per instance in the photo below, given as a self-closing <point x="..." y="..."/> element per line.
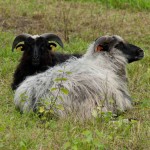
<point x="35" y="36"/>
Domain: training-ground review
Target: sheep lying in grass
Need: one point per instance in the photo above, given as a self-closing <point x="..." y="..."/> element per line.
<point x="37" y="56"/>
<point x="97" y="79"/>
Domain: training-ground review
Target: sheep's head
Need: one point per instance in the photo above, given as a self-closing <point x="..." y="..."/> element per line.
<point x="107" y="43"/>
<point x="36" y="47"/>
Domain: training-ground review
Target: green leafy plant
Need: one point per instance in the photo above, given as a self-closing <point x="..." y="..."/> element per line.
<point x="47" y="107"/>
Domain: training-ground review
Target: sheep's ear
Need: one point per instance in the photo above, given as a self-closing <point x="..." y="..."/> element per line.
<point x="105" y="43"/>
<point x="102" y="47"/>
<point x="52" y="46"/>
<point x="20" y="47"/>
<point x="101" y="43"/>
<point x="99" y="48"/>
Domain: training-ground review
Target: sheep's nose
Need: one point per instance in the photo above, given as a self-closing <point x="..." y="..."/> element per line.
<point x="35" y="54"/>
<point x="141" y="52"/>
<point x="35" y="57"/>
<point x="35" y="62"/>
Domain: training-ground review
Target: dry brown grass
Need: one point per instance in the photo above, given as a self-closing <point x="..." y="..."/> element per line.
<point x="74" y="19"/>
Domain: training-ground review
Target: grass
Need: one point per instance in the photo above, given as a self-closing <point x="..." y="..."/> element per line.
<point x="78" y="23"/>
<point x="122" y="4"/>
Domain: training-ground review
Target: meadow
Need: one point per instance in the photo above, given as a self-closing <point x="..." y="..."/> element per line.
<point x="78" y="23"/>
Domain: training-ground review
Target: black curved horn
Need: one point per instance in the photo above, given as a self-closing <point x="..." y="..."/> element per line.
<point x="20" y="38"/>
<point x="53" y="37"/>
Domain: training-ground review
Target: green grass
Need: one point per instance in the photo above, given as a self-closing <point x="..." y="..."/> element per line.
<point x="125" y="4"/>
<point x="122" y="4"/>
<point x="78" y="24"/>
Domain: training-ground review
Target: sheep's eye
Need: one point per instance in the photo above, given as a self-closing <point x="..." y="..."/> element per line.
<point x="42" y="46"/>
<point x="30" y="48"/>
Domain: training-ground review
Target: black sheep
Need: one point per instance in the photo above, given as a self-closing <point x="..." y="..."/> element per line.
<point x="37" y="55"/>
